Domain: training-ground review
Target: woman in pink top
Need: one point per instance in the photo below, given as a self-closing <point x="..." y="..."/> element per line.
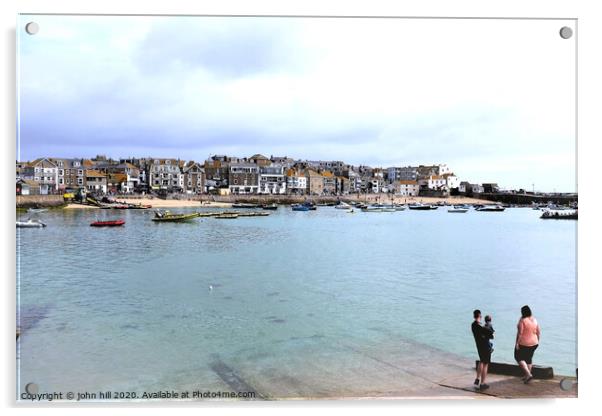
<point x="527" y="341"/>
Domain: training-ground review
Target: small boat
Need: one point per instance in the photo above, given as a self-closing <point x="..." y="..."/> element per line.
<point x="226" y="216"/>
<point x="299" y="207"/>
<point x="310" y="205"/>
<point x="399" y="207"/>
<point x="491" y="208"/>
<point x="422" y="207"/>
<point x="374" y="208"/>
<point x="458" y="209"/>
<point x="37" y="210"/>
<point x="562" y="214"/>
<point x="245" y="205"/>
<point x="30" y="224"/>
<point x="166" y="216"/>
<point x="139" y="206"/>
<point x="342" y="205"/>
<point x="113" y="223"/>
<point x="271" y="207"/>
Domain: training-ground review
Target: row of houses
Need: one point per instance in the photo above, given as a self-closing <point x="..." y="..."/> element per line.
<point x="222" y="174"/>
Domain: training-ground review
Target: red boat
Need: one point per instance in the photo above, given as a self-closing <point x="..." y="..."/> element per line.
<point x="114" y="223"/>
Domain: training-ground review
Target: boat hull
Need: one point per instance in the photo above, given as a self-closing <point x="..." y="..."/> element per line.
<point x="116" y="223"/>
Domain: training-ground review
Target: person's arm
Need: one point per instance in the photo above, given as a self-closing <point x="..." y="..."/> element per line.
<point x="538" y="333"/>
<point x="519" y="331"/>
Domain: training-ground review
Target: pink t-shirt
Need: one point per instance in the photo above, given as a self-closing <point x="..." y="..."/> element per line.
<point x="528" y="332"/>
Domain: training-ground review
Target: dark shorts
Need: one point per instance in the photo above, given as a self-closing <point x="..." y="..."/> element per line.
<point x="484" y="355"/>
<point x="524" y="353"/>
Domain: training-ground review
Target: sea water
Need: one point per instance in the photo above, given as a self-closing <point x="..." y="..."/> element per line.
<point x="297" y="304"/>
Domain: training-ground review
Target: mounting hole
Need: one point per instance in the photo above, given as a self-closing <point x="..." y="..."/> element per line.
<point x="32" y="28"/>
<point x="31" y="388"/>
<point x="566" y="32"/>
<point x="566" y="384"/>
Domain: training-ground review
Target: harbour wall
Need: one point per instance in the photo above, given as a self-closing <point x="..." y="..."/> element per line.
<point x="29" y="201"/>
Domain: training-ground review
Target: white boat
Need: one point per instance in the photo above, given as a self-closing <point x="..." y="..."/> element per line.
<point x="458" y="209"/>
<point x="491" y="208"/>
<point x="373" y="208"/>
<point x="30" y="224"/>
<point x="399" y="207"/>
<point x="37" y="210"/>
<point x="343" y="205"/>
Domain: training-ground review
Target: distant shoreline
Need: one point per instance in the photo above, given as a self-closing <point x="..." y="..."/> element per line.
<point x="227" y="201"/>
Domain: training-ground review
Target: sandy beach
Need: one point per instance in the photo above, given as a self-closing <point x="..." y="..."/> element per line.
<point x="161" y="203"/>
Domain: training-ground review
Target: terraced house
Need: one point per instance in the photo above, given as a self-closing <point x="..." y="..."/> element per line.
<point x="244" y="178"/>
<point x="70" y="174"/>
<point x="166" y="174"/>
<point x="272" y="180"/>
<point x="296" y="182"/>
<point x="44" y="172"/>
<point x="194" y="178"/>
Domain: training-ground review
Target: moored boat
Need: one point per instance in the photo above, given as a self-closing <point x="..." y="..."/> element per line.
<point x="226" y="216"/>
<point x="166" y="216"/>
<point x="562" y="214"/>
<point x="245" y="205"/>
<point x="342" y="205"/>
<point x="458" y="209"/>
<point x="422" y="207"/>
<point x="37" y="210"/>
<point x="491" y="208"/>
<point x="271" y="207"/>
<point x="30" y="224"/>
<point x="299" y="207"/>
<point x="113" y="223"/>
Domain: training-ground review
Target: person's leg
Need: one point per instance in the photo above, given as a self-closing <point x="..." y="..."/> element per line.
<point x="484" y="370"/>
<point x="523" y="365"/>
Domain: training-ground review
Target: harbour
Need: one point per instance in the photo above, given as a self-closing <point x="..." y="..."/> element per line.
<point x="287" y="289"/>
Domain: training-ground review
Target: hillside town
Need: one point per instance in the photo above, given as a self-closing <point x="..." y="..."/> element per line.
<point x="228" y="175"/>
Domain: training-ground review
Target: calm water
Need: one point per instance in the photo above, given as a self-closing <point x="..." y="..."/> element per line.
<point x="299" y="299"/>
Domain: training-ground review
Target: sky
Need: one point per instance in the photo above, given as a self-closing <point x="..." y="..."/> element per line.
<point x="492" y="99"/>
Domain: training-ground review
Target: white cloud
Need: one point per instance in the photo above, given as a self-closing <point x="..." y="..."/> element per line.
<point x="473" y="93"/>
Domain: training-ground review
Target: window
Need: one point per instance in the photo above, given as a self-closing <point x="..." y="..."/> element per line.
<point x="80" y="172"/>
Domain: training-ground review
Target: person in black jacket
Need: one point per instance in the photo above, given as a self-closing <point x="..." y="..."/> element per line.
<point x="482" y="335"/>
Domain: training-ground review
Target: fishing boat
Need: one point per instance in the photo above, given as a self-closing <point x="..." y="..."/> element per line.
<point x="166" y="216"/>
<point x="458" y="209"/>
<point x="398" y="207"/>
<point x="562" y="214"/>
<point x="271" y="207"/>
<point x="299" y="207"/>
<point x="30" y="224"/>
<point x="113" y="223"/>
<point x="491" y="208"/>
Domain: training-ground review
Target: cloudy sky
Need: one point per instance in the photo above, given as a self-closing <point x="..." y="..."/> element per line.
<point x="494" y="99"/>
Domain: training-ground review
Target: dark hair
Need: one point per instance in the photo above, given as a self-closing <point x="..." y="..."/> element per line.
<point x="476" y="313"/>
<point x="487" y="318"/>
<point x="525" y="311"/>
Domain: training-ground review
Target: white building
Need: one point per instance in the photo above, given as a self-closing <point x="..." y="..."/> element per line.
<point x="436" y="182"/>
<point x="166" y="174"/>
<point x="296" y="182"/>
<point x="272" y="180"/>
<point x="44" y="172"/>
<point x="405" y="188"/>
